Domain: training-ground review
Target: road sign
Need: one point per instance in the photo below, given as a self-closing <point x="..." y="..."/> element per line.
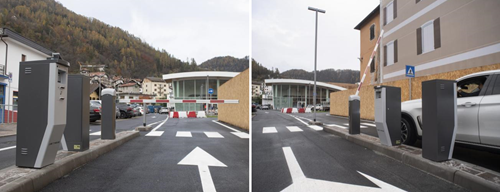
<point x="410" y="71"/>
<point x="203" y="160"/>
<point x="210" y="91"/>
<point x="10" y="76"/>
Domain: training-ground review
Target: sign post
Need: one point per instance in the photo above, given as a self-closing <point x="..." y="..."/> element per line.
<point x="210" y="91"/>
<point x="11" y="98"/>
<point x="410" y="72"/>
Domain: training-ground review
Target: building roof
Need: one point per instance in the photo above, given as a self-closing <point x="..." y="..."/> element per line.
<point x="6" y="32"/>
<point x="200" y="75"/>
<point x="368" y="17"/>
<point x="127" y="85"/>
<point x="155" y="79"/>
<point x="303" y="82"/>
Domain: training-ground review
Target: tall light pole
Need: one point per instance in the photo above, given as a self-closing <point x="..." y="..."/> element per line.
<point x="315" y="55"/>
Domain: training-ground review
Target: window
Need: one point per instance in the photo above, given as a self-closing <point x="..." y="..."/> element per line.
<point x="372" y="65"/>
<point x="390" y="12"/>
<point x="155" y="85"/>
<point x="471" y="87"/>
<point x="496" y="89"/>
<point x="372" y="32"/>
<point x="429" y="37"/>
<point x="23" y="57"/>
<point x="391" y="53"/>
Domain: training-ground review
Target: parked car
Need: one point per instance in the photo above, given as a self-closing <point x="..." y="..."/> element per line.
<point x="141" y="110"/>
<point x="478" y="106"/>
<point x="326" y="106"/>
<point x="163" y="110"/>
<point x="319" y="107"/>
<point x="125" y="110"/>
<point x="254" y="108"/>
<point x="266" y="107"/>
<point x="95" y="111"/>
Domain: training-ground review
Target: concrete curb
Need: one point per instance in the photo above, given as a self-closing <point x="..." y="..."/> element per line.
<point x="143" y="128"/>
<point x="405" y="155"/>
<point x="36" y="180"/>
<point x="8" y="135"/>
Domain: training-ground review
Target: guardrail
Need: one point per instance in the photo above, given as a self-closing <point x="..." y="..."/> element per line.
<point x="175" y="101"/>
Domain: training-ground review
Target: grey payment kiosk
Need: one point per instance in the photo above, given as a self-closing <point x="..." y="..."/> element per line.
<point x="439" y="119"/>
<point x="76" y="134"/>
<point x="43" y="89"/>
<point x="108" y="116"/>
<point x="388" y="114"/>
<point x="354" y="114"/>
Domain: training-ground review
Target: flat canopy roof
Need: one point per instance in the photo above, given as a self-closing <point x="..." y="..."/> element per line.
<point x="303" y="82"/>
<point x="199" y="75"/>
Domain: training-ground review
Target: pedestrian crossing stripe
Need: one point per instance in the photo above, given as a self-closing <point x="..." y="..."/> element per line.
<point x="294" y="129"/>
<point x="269" y="130"/>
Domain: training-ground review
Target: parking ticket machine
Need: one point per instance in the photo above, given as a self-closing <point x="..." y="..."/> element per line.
<point x="42" y="111"/>
<point x="388" y="114"/>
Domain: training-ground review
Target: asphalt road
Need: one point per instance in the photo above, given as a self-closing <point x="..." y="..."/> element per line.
<point x="8" y="153"/>
<point x="282" y="159"/>
<point x="464" y="153"/>
<point x="160" y="162"/>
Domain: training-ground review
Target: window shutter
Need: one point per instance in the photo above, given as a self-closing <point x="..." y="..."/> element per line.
<point x="437" y="34"/>
<point x="372" y="66"/>
<point x="395" y="9"/>
<point x="385" y="55"/>
<point x="396" y="51"/>
<point x="419" y="41"/>
<point x="385" y="15"/>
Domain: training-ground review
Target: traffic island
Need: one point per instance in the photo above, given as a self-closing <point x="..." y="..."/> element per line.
<point x="143" y="128"/>
<point x="464" y="174"/>
<point x="315" y="123"/>
<point x="15" y="179"/>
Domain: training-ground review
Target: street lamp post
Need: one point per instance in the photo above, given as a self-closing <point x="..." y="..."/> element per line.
<point x="315" y="55"/>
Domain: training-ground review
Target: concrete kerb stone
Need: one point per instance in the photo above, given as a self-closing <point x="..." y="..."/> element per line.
<point x="38" y="179"/>
<point x="143" y="128"/>
<point x="458" y="177"/>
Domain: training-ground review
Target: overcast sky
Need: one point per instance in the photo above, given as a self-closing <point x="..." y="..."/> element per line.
<point x="199" y="29"/>
<point x="283" y="33"/>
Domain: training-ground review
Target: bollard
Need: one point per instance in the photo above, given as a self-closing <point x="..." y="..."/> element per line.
<point x="354" y="116"/>
<point x="76" y="134"/>
<point x="108" y="118"/>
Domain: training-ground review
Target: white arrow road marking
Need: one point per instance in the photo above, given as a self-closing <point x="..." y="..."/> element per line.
<point x="154" y="123"/>
<point x="213" y="134"/>
<point x="302" y="183"/>
<point x="153" y="117"/>
<point x="236" y="132"/>
<point x="157" y="133"/>
<point x="300" y="120"/>
<point x="294" y="129"/>
<point x="203" y="160"/>
<point x="183" y="134"/>
<point x="96" y="133"/>
<point x="269" y="130"/>
<point x="7" y="148"/>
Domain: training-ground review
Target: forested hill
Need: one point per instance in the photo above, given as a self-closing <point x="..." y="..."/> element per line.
<point x="226" y="63"/>
<point x="83" y="40"/>
<point x="259" y="73"/>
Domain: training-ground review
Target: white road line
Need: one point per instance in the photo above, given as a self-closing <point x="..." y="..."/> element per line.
<point x="233" y="129"/>
<point x="269" y="130"/>
<point x="294" y="129"/>
<point x="241" y="135"/>
<point x="315" y="127"/>
<point x="183" y="134"/>
<point x="7" y="148"/>
<point x="369" y="124"/>
<point x="299" y="120"/>
<point x="213" y="134"/>
<point x="339" y="126"/>
<point x="293" y="165"/>
<point x="155" y="133"/>
<point x="154" y="123"/>
<point x="96" y="133"/>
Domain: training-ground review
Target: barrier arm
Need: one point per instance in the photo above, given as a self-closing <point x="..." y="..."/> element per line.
<point x="369" y="62"/>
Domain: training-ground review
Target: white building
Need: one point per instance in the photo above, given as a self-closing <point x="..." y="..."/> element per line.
<point x="156" y="86"/>
<point x="14" y="49"/>
<point x="256" y="90"/>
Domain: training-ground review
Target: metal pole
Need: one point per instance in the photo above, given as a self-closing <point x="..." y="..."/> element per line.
<point x="8" y="105"/>
<point x="206" y="97"/>
<point x="315" y="55"/>
<point x="144" y="110"/>
<point x="410" y="87"/>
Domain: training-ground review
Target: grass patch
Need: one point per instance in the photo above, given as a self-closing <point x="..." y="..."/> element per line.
<point x="212" y="116"/>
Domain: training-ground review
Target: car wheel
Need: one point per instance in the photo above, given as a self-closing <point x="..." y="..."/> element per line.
<point x="408" y="132"/>
<point x="123" y="115"/>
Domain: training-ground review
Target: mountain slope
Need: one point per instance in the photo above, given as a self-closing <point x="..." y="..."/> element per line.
<point x="226" y="63"/>
<point x="86" y="40"/>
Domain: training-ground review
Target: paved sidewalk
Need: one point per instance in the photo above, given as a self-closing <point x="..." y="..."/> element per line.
<point x="8" y="129"/>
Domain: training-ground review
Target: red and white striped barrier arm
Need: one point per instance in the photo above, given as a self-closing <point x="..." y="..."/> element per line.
<point x="369" y="62"/>
<point x="220" y="101"/>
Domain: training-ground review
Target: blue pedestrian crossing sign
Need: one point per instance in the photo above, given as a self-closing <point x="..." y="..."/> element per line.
<point x="210" y="91"/>
<point x="410" y="71"/>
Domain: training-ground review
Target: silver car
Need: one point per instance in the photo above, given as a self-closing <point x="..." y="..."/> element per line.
<point x="478" y="109"/>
